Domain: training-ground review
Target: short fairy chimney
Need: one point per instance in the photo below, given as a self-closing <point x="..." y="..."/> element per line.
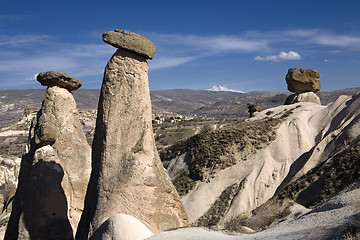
<point x="304" y="83"/>
<point x="55" y="172"/>
<point x="253" y="109"/>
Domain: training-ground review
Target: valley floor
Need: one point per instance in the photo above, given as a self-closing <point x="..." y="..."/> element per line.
<point x="330" y="220"/>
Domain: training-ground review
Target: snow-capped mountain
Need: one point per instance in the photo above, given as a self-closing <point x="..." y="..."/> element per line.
<point x="219" y="87"/>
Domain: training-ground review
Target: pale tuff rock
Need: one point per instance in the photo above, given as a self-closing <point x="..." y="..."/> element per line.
<point x="59" y="120"/>
<point x="301" y="80"/>
<point x="61" y="79"/>
<point x="9" y="171"/>
<point x="127" y="175"/>
<point x="303" y="97"/>
<point x="54" y="173"/>
<point x="122" y="227"/>
<point x="307" y="135"/>
<point x="45" y="212"/>
<point x="130" y="41"/>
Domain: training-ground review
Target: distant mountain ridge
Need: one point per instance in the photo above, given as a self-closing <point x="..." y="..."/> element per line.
<point x="221" y="88"/>
<point x="217" y="104"/>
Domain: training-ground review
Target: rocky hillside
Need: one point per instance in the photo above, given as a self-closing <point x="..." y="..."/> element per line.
<point x="231" y="173"/>
<point x="301" y="154"/>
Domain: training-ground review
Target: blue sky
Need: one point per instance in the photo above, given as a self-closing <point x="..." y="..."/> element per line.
<point x="244" y="45"/>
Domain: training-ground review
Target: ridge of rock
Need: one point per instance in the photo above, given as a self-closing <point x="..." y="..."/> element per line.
<point x="220" y="184"/>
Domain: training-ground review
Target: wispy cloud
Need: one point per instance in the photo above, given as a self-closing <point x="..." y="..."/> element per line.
<point x="282" y="56"/>
<point x="213" y="44"/>
<point x="222" y="43"/>
<point x="18" y="61"/>
<point x="178" y="49"/>
<point x="33" y="78"/>
<point x="88" y="50"/>
<point x="22" y="40"/>
<point x="167" y="62"/>
<point x="8" y="17"/>
<point x="301" y="33"/>
<point x="36" y="63"/>
<point x="337" y="40"/>
<point x="9" y="53"/>
<point x="321" y="37"/>
<point x="305" y="37"/>
<point x="22" y="64"/>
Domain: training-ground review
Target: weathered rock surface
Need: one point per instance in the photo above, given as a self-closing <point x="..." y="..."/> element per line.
<point x="9" y="171"/>
<point x="302" y="97"/>
<point x="127" y="174"/>
<point x="54" y="173"/>
<point x="326" y="221"/>
<point x="301" y="80"/>
<point x="61" y="79"/>
<point x="122" y="227"/>
<point x="130" y="41"/>
<point x="221" y="184"/>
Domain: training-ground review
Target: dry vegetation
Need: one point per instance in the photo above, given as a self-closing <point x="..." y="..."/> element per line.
<point x="332" y="176"/>
<point x="262" y="217"/>
<point x="206" y="149"/>
<point x="218" y="209"/>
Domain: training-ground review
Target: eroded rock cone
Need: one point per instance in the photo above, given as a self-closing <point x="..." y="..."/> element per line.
<point x="127" y="175"/>
<point x="54" y="173"/>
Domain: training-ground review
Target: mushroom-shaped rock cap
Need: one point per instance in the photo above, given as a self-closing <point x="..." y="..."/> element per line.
<point x="61" y="79"/>
<point x="301" y="80"/>
<point x="130" y="41"/>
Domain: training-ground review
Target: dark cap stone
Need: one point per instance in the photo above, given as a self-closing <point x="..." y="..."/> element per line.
<point x="60" y="79"/>
<point x="130" y="41"/>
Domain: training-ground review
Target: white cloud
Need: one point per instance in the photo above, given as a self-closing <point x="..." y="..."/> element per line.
<point x="80" y="60"/>
<point x="326" y="60"/>
<point x="173" y="50"/>
<point x="308" y="38"/>
<point x="177" y="49"/>
<point x="303" y="33"/>
<point x="282" y="56"/>
<point x="9" y="53"/>
<point x="167" y="62"/>
<point x="89" y="50"/>
<point x="32" y="78"/>
<point x="225" y="43"/>
<point x="212" y="44"/>
<point x="22" y="40"/>
<point x="36" y="64"/>
<point x="337" y="40"/>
